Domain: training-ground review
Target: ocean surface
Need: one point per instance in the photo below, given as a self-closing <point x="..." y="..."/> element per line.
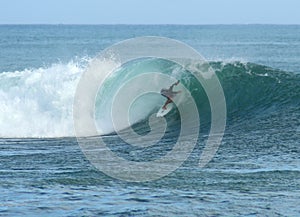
<point x="255" y="171"/>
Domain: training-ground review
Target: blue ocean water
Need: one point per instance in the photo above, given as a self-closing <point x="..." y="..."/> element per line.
<point x="255" y="172"/>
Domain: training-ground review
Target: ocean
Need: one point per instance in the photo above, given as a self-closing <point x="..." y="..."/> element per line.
<point x="46" y="171"/>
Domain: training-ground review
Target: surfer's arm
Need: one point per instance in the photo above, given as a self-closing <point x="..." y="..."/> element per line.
<point x="171" y="87"/>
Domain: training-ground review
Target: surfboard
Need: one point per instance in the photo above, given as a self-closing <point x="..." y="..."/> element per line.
<point x="162" y="112"/>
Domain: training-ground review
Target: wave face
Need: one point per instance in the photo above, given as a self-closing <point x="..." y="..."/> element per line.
<point x="250" y="87"/>
<point x="38" y="102"/>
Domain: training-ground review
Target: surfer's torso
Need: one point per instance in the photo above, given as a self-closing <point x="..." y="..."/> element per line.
<point x="167" y="93"/>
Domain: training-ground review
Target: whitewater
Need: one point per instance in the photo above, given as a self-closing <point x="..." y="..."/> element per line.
<point x="38" y="102"/>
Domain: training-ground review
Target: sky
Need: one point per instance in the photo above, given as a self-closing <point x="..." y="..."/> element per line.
<point x="149" y="12"/>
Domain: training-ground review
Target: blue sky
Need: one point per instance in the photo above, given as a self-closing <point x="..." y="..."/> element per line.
<point x="149" y="11"/>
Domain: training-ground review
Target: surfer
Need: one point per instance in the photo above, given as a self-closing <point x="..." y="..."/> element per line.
<point x="169" y="94"/>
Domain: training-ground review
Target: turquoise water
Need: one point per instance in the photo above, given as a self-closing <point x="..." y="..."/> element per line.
<point x="255" y="172"/>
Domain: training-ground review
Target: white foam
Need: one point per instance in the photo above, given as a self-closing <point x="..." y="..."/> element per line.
<point x="38" y="102"/>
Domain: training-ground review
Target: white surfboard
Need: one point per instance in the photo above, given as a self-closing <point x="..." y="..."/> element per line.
<point x="162" y="112"/>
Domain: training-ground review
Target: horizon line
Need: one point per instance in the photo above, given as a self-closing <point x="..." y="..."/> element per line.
<point x="151" y="24"/>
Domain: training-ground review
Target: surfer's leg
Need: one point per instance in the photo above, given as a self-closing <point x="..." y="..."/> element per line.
<point x="166" y="103"/>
